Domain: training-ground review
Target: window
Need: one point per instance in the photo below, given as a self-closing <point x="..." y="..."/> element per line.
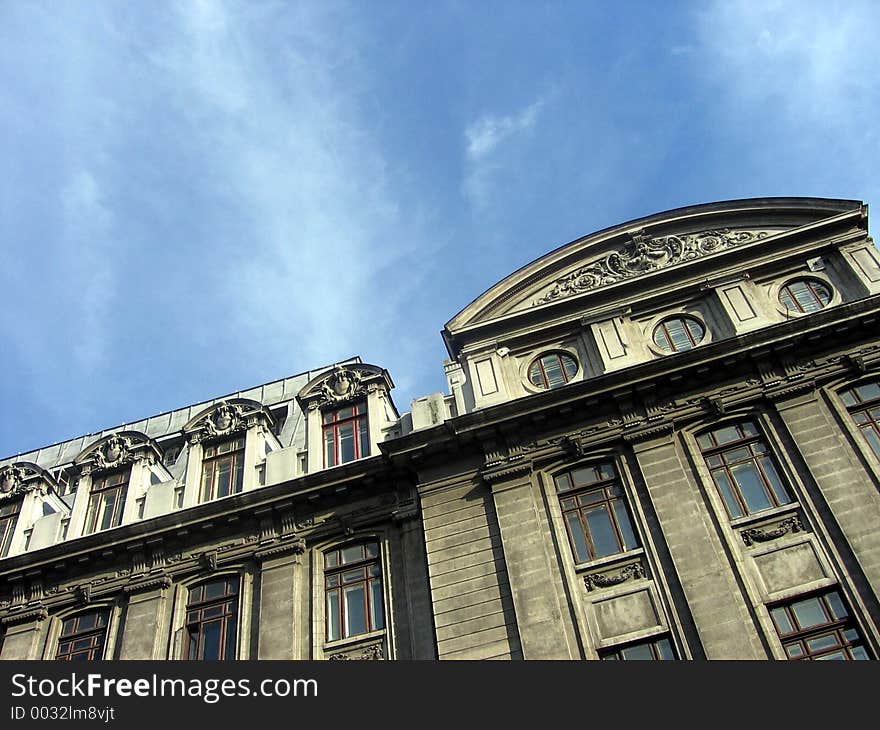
<point x="678" y="334"/>
<point x="8" y="517"/>
<point x="353" y="591"/>
<point x="83" y="637"/>
<point x="654" y="650"/>
<point x="818" y="628"/>
<point x="346" y="436"/>
<point x="212" y="619"/>
<point x="804" y="296"/>
<point x="863" y="402"/>
<point x="742" y="469"/>
<point x="107" y="501"/>
<point x="595" y="513"/>
<point x="551" y="371"/>
<point x="223" y="469"/>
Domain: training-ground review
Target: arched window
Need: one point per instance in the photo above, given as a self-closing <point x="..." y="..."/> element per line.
<point x="552" y="370"/>
<point x="595" y="512"/>
<point x="743" y="469"/>
<point x="83" y="636"/>
<point x="107" y="500"/>
<point x="212" y="619"/>
<point x="863" y="404"/>
<point x="677" y="334"/>
<point x="8" y="517"/>
<point x="805" y="295"/>
<point x="354" y="601"/>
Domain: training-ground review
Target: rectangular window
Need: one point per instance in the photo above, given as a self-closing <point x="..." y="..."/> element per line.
<point x="595" y="512"/>
<point x="223" y="469"/>
<point x="353" y="591"/>
<point x="107" y="501"/>
<point x="83" y="636"/>
<point x="8" y="517"/>
<point x="742" y="469"/>
<point x="863" y="403"/>
<point x="212" y="620"/>
<point x="346" y="436"/>
<point x="818" y="628"/>
<point x="653" y="650"/>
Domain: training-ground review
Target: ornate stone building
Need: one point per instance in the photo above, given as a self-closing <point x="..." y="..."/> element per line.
<point x="662" y="440"/>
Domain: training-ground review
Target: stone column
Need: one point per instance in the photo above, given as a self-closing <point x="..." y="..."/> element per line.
<point x="544" y="623"/>
<point x="280" y="582"/>
<point x="720" y="610"/>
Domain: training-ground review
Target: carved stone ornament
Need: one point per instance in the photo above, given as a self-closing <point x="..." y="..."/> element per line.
<point x="117" y="450"/>
<point x="224" y="419"/>
<point x="21" y="477"/>
<point x="758" y="534"/>
<point x="343" y="385"/>
<point x="605" y="580"/>
<point x="370" y="653"/>
<point x="643" y="254"/>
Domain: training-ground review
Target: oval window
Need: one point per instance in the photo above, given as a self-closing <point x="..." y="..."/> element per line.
<point x="805" y="296"/>
<point x="552" y="370"/>
<point x="678" y="334"/>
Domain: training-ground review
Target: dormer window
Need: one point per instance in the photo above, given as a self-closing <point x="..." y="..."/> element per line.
<point x="346" y="436"/>
<point x="107" y="500"/>
<point x="223" y="469"/>
<point x="8" y="517"/>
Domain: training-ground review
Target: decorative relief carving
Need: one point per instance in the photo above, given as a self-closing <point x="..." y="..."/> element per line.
<point x="765" y="534"/>
<point x="225" y="419"/>
<point x="342" y="385"/>
<point x="643" y="254"/>
<point x="208" y="561"/>
<point x="117" y="450"/>
<point x="21" y="477"/>
<point x="369" y="653"/>
<point x="605" y="580"/>
<point x="83" y="593"/>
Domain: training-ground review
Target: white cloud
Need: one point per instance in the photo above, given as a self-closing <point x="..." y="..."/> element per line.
<point x="487" y="140"/>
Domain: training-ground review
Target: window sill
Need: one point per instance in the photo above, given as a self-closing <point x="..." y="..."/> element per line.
<point x="766" y="514"/>
<point x="353" y="641"/>
<point x="609" y="560"/>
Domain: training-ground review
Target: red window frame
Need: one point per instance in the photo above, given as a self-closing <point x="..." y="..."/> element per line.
<point x="335" y="422"/>
<point x="353" y="567"/>
<point x="113" y="485"/>
<point x="8" y="518"/>
<point x="213" y="602"/>
<point x="83" y="636"/>
<point x="214" y="458"/>
<point x="863" y="403"/>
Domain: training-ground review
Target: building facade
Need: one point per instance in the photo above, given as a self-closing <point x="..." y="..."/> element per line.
<point x="661" y="441"/>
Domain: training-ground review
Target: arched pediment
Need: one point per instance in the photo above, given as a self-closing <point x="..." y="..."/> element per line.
<point x="20" y="477"/>
<point x="644" y="246"/>
<point x="117" y="449"/>
<point x="342" y="384"/>
<point x="226" y="418"/>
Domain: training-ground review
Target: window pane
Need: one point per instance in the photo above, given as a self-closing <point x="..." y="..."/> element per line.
<point x="579" y="542"/>
<point x="346" y="443"/>
<point x="332" y="615"/>
<point x="809" y="613"/>
<point x="859" y="653"/>
<point x="223" y="477"/>
<point x="214" y="589"/>
<point x="239" y="475"/>
<point x="553" y="369"/>
<point x="775" y="482"/>
<point x="726" y="490"/>
<point x="822" y="642"/>
<point x="108" y="503"/>
<point x="231" y="636"/>
<point x="780" y="618"/>
<point x="794" y="651"/>
<point x="873" y="439"/>
<point x="364" y="436"/>
<point x="563" y="482"/>
<point x="835" y="656"/>
<point x="376" y="613"/>
<point x="331" y="559"/>
<point x="602" y="532"/>
<point x="355" y="616"/>
<point x="211" y="640"/>
<point x="869" y="391"/>
<point x="640" y="652"/>
<point x="664" y="649"/>
<point x="751" y="487"/>
<point x="837" y="607"/>
<point x="727" y="434"/>
<point x="623" y="523"/>
<point x="352" y="554"/>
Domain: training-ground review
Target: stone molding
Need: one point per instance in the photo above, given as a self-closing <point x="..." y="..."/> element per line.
<point x="21" y="477"/>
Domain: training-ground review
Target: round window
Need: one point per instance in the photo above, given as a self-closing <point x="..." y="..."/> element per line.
<point x="552" y="370"/>
<point x="805" y="295"/>
<point x="678" y="334"/>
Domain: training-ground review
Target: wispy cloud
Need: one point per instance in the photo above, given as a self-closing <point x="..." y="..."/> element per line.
<point x="487" y="140"/>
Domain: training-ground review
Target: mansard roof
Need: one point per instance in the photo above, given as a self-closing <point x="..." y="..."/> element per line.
<point x="643" y="247"/>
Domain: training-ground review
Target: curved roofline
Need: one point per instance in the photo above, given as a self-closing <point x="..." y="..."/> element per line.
<point x="821" y="208"/>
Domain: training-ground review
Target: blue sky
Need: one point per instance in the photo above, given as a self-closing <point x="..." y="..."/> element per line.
<point x="198" y="197"/>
